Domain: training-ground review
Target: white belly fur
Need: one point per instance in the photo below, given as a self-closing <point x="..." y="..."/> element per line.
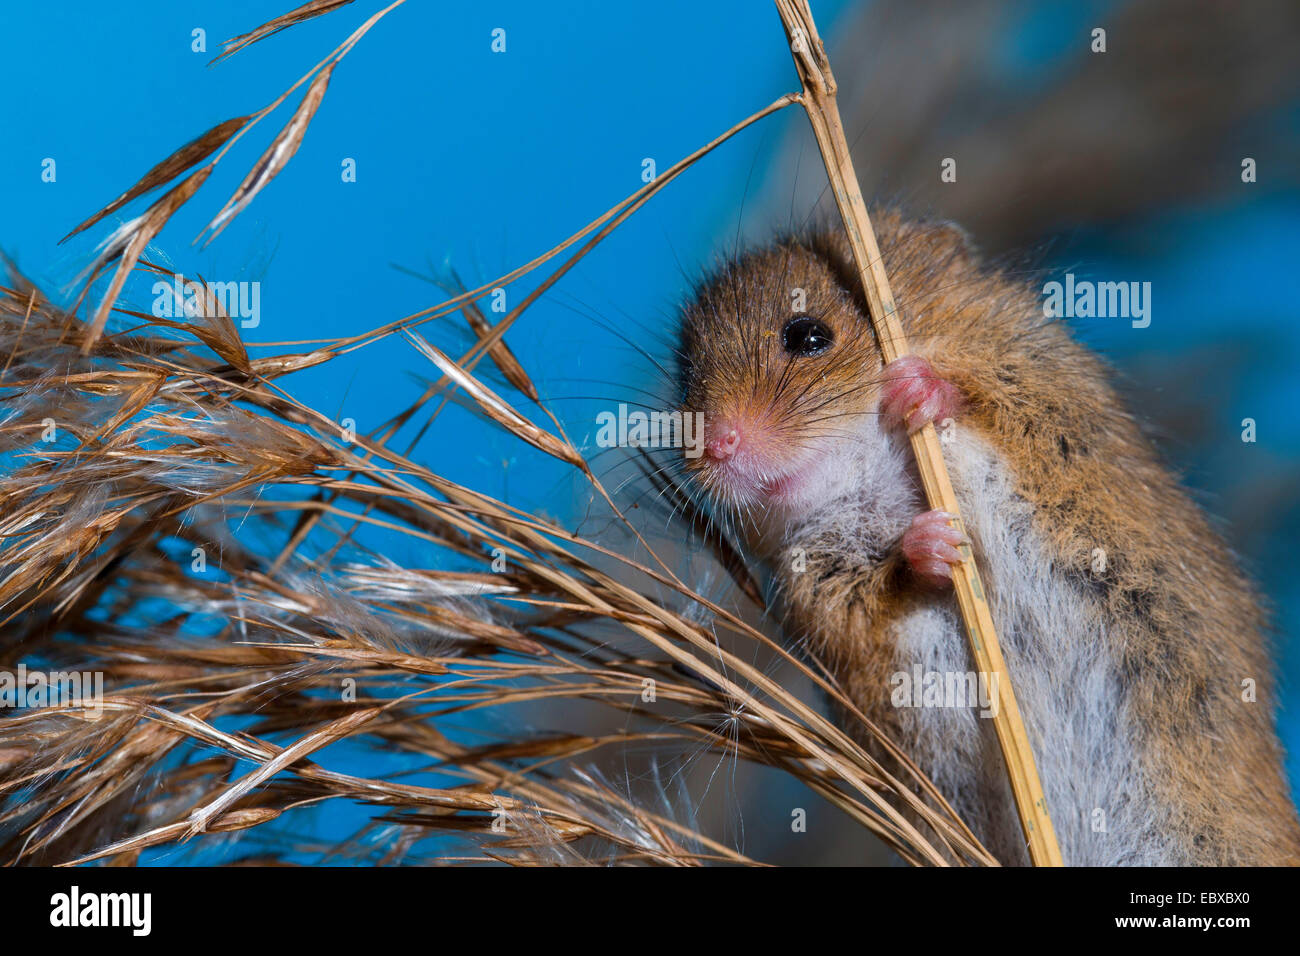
<point x="1054" y="641"/>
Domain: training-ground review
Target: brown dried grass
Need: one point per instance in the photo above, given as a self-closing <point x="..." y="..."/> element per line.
<point x="223" y="688"/>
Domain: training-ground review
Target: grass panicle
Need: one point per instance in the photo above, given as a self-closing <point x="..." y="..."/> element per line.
<point x="172" y="518"/>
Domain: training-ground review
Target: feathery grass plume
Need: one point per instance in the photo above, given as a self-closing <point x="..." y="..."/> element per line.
<point x="159" y="446"/>
<point x="173" y="519"/>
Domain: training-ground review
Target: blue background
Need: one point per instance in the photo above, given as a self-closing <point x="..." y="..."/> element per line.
<point x="487" y="160"/>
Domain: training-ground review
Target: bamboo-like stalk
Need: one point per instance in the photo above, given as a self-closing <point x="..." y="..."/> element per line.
<point x="818" y="100"/>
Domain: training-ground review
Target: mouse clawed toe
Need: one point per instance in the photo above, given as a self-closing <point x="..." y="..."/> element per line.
<point x="930" y="548"/>
<point x="915" y="395"/>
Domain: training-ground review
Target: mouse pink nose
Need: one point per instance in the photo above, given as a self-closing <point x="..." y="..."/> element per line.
<point x="725" y="441"/>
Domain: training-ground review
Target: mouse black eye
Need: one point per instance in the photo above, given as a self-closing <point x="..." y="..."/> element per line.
<point x="806" y="336"/>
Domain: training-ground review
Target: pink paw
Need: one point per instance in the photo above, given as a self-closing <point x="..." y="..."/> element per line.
<point x="914" y="394"/>
<point x="930" y="547"/>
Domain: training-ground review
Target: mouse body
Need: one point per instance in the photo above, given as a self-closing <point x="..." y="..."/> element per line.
<point x="1136" y="645"/>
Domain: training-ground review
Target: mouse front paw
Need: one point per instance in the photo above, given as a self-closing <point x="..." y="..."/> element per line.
<point x="930" y="548"/>
<point x="915" y="395"/>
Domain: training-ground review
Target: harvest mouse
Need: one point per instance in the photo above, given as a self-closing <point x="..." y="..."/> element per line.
<point x="1135" y="644"/>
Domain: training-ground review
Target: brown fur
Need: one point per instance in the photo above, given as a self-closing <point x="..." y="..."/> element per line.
<point x="1186" y="624"/>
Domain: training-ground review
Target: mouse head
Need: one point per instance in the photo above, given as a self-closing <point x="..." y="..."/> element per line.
<point x="784" y="365"/>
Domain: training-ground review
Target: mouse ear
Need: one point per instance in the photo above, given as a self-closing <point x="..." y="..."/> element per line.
<point x="952" y="241"/>
<point x="937" y="242"/>
<point x="908" y="246"/>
